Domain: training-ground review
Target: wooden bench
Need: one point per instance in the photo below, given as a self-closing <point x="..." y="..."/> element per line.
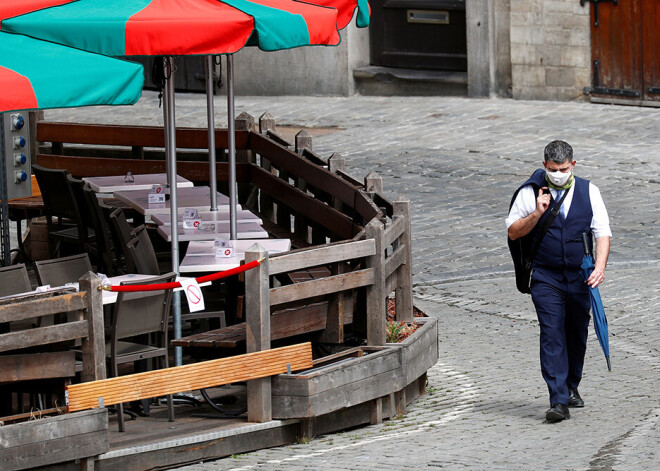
<point x="179" y="379"/>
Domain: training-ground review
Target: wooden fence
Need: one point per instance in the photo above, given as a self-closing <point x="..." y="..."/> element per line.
<point x="352" y="242"/>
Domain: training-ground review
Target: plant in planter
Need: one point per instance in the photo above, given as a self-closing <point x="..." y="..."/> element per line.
<point x="398" y="331"/>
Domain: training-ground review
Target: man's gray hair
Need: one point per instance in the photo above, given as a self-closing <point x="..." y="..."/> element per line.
<point x="558" y="152"/>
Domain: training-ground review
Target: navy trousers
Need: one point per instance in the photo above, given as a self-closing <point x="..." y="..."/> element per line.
<point x="563" y="314"/>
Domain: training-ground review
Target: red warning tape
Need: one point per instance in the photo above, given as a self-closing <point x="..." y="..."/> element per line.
<point x="175" y="284"/>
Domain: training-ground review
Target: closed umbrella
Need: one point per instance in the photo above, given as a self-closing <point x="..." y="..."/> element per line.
<point x="597" y="310"/>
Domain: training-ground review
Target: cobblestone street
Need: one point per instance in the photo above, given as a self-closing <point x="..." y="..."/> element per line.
<point x="459" y="160"/>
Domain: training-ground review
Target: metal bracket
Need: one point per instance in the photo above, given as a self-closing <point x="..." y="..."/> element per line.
<point x="596" y="2"/>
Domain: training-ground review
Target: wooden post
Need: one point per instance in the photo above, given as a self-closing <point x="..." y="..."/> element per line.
<point x="257" y="331"/>
<point x="373" y="183"/>
<point x="376" y="411"/>
<point x="400" y="401"/>
<point x="266" y="123"/>
<point x="93" y="347"/>
<point x="334" y="324"/>
<point x="244" y="122"/>
<point x="376" y="293"/>
<point x="303" y="141"/>
<point x="404" y="303"/>
<point x="307" y="428"/>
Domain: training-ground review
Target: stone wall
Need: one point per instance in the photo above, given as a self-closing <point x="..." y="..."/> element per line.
<point x="550" y="49"/>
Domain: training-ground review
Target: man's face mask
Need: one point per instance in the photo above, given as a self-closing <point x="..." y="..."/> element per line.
<point x="558" y="178"/>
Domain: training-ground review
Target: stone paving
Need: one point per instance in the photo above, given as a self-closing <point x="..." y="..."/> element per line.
<point x="459" y="160"/>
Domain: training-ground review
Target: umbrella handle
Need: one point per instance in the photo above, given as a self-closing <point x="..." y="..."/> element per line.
<point x="585" y="243"/>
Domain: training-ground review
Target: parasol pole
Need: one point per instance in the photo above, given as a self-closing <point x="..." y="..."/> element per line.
<point x="170" y="145"/>
<point x="231" y="130"/>
<point x="213" y="183"/>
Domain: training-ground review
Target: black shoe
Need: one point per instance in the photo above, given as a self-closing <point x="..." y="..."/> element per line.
<point x="574" y="399"/>
<point x="557" y="412"/>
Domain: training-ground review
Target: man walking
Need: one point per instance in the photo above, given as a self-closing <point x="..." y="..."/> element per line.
<point x="559" y="293"/>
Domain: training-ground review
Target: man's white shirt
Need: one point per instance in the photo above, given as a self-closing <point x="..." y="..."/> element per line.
<point x="525" y="204"/>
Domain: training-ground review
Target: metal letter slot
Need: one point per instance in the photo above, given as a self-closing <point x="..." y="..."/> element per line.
<point x="428" y="16"/>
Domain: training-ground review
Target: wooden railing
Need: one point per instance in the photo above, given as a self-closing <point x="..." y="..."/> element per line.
<point x="337" y="222"/>
<point x="84" y="313"/>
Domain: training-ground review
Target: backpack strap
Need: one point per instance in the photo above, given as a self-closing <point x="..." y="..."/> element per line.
<point x="546" y="225"/>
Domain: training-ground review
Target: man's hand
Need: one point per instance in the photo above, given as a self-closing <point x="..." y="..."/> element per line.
<point x="596" y="278"/>
<point x="524" y="226"/>
<point x="542" y="201"/>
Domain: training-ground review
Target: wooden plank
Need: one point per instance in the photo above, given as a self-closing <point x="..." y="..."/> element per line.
<point x="313" y="175"/>
<point x="395" y="260"/>
<point x="305" y="258"/>
<point x="285" y="323"/>
<point x="43" y="335"/>
<point x="342" y="396"/>
<point x="133" y="136"/>
<point x="189" y="377"/>
<point x="42" y="306"/>
<point x="54" y="439"/>
<point x="346" y="370"/>
<point x="303" y="204"/>
<point x="41" y="365"/>
<point x="195" y="171"/>
<point x="393" y="231"/>
<point x="321" y="286"/>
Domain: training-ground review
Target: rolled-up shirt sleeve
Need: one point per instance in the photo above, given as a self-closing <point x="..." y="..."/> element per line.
<point x="600" y="221"/>
<point x="523" y="206"/>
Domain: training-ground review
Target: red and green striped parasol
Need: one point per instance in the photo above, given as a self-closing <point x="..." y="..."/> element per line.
<point x="39" y="74"/>
<point x="186" y="27"/>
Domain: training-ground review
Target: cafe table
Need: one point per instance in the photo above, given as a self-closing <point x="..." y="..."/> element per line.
<point x="242" y="216"/>
<point x="212" y="231"/>
<point x="197" y="197"/>
<point x="201" y="255"/>
<point x="112" y="183"/>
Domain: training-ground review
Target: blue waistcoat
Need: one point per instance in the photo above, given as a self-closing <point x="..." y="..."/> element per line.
<point x="561" y="251"/>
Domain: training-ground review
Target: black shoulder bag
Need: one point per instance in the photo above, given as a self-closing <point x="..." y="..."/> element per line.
<point x="523" y="253"/>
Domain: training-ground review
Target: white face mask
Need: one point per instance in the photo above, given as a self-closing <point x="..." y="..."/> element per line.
<point x="558" y="178"/>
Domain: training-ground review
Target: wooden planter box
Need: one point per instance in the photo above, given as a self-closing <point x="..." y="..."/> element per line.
<point x="54" y="440"/>
<point x="347" y="382"/>
<point x="419" y="352"/>
<point x="342" y="383"/>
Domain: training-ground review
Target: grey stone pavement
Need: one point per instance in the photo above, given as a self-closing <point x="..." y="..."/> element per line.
<point x="459" y="160"/>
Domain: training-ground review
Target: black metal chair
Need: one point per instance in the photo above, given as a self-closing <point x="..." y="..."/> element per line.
<point x="14" y="279"/>
<point x="138" y="331"/>
<point x="63" y="270"/>
<point x="142" y="253"/>
<point x="121" y="233"/>
<point x="109" y="258"/>
<point x="60" y="202"/>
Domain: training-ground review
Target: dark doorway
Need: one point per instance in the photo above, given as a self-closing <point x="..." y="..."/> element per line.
<point x="418" y="34"/>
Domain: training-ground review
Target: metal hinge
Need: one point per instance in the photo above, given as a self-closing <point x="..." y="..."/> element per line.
<point x="596" y="2"/>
